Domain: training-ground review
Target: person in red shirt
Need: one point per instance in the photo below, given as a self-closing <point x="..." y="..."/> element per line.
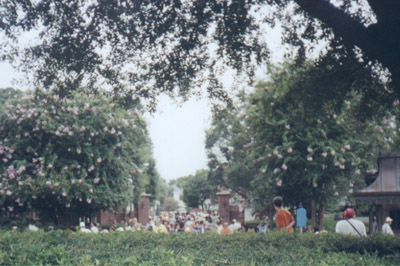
<point x="284" y="219"/>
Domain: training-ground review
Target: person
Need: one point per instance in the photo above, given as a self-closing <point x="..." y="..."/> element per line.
<point x="262" y="227"/>
<point x="32" y="228"/>
<point x="349" y="225"/>
<point x="225" y="229"/>
<point x="83" y="228"/>
<point x="284" y="219"/>
<point x="159" y="227"/>
<point x="386" y="229"/>
<point x="94" y="228"/>
<point x="374" y="226"/>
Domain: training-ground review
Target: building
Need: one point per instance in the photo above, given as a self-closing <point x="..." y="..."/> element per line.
<point x="383" y="195"/>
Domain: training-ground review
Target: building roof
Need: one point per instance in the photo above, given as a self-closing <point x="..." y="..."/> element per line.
<point x="386" y="187"/>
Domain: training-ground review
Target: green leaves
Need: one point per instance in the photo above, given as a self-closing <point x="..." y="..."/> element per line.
<point x="74" y="153"/>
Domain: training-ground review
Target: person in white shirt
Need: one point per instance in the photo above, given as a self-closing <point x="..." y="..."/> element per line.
<point x="386" y="229"/>
<point x="349" y="225"/>
<point x="94" y="228"/>
<point x="83" y="228"/>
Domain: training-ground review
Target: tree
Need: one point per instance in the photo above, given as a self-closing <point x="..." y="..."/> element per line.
<point x="171" y="204"/>
<point x="227" y="160"/>
<point x="75" y="155"/>
<point x="303" y="149"/>
<point x="143" y="48"/>
<point x="196" y="188"/>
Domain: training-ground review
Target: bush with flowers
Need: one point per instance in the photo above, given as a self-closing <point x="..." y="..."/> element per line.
<point x="76" y="154"/>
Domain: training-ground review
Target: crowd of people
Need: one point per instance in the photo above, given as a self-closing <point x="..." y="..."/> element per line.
<point x="199" y="223"/>
<point x="168" y="222"/>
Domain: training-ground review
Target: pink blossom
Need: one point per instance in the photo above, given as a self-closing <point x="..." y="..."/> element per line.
<point x="11" y="209"/>
<point x="279" y="156"/>
<point x="91" y="168"/>
<point x="89" y="201"/>
<point x="20" y="183"/>
<point x="342" y="150"/>
<point x="350" y="190"/>
<point x="315" y="185"/>
<point x="357" y="172"/>
<point x="21" y="169"/>
<point x="5" y="160"/>
<point x="287" y="127"/>
<point x="64" y="194"/>
<point x="8" y="193"/>
<point x="336" y="194"/>
<point x="50" y="166"/>
<point x="324" y="154"/>
<point x="284" y="167"/>
<point x="98" y="160"/>
<point x="347" y="147"/>
<point x="309" y="149"/>
<point x="78" y="167"/>
<point x="113" y="131"/>
<point x="96" y="180"/>
<point x="342" y="167"/>
<point x="337" y="163"/>
<point x="78" y="151"/>
<point x="73" y="181"/>
<point x="263" y="171"/>
<point x="334" y="116"/>
<point x="48" y="183"/>
<point x="275" y="152"/>
<point x="309" y="158"/>
<point x="56" y="184"/>
<point x="351" y="185"/>
<point x="290" y="150"/>
<point x="279" y="183"/>
<point x="80" y="181"/>
<point x="91" y="190"/>
<point x="34" y="197"/>
<point x="333" y="152"/>
<point x="68" y="205"/>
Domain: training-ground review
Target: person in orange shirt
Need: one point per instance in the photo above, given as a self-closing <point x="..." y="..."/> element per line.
<point x="284" y="219"/>
<point x="225" y="229"/>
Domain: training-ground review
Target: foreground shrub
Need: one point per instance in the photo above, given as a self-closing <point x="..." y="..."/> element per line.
<point x="143" y="248"/>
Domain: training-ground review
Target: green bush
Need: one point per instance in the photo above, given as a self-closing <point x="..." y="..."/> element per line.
<point x="146" y="248"/>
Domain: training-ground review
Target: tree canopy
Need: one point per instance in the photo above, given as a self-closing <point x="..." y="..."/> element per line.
<point x="283" y="141"/>
<point x="195" y="188"/>
<point x="143" y="48"/>
<point x="77" y="155"/>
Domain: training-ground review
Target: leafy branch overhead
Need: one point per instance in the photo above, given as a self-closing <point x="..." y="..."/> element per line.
<point x="144" y="48"/>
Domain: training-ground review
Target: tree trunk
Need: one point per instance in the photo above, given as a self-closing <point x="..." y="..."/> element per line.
<point x="313" y="214"/>
<point x="321" y="209"/>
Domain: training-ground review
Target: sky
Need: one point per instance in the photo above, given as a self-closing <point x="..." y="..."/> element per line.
<point x="178" y="136"/>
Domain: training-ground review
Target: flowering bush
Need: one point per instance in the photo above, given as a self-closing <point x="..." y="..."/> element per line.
<point x="79" y="154"/>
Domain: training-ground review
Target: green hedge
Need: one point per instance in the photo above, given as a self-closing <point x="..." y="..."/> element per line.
<point x="146" y="248"/>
